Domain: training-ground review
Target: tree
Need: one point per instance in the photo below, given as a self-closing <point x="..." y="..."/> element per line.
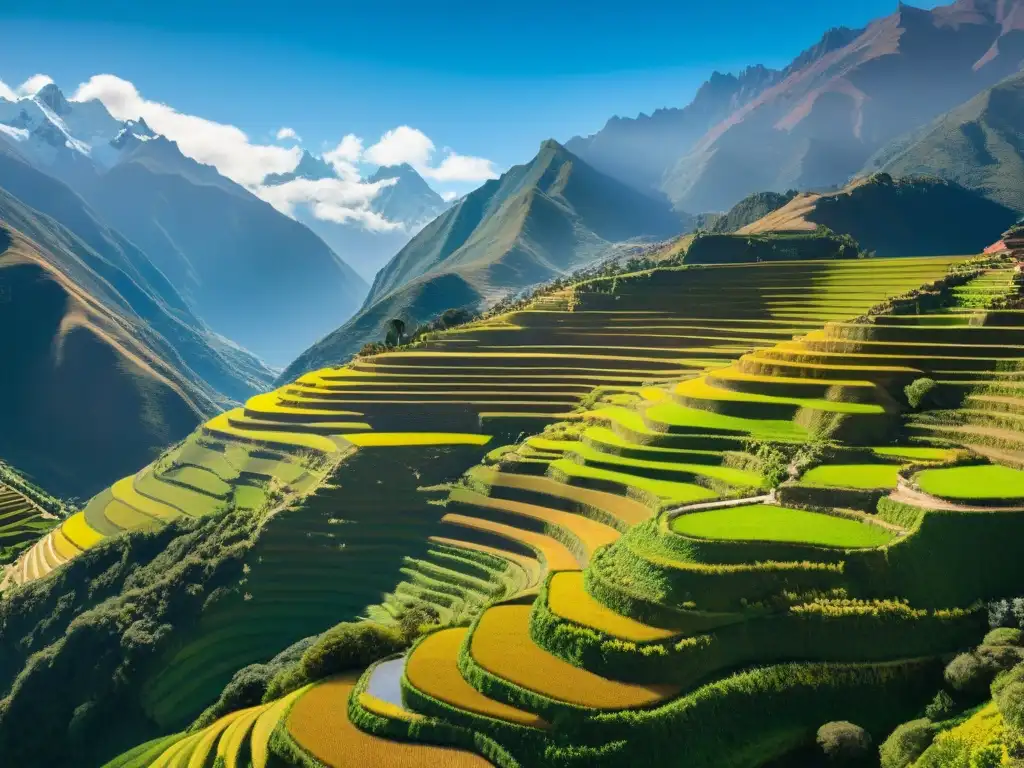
<point x="844" y="743"/>
<point x="396" y="332"/>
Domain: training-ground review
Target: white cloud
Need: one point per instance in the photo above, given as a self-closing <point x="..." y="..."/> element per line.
<point x="401" y="145"/>
<point x="34" y="85"/>
<point x="6" y="92"/>
<point x="223" y="146"/>
<point x="288" y="133"/>
<point x="337" y="200"/>
<point x="344" y="157"/>
<point x="410" y="145"/>
<point x="449" y="196"/>
<point x="456" y="167"/>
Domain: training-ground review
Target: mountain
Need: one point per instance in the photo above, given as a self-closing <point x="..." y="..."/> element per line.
<point x="977" y="145"/>
<point x="251" y="273"/>
<point x="913" y="216"/>
<point x="814" y="124"/>
<point x="819" y="125"/>
<point x="537" y="221"/>
<point x="403" y="206"/>
<point x="750" y="209"/>
<point x="87" y="392"/>
<point x="122" y="277"/>
<point x="638" y="150"/>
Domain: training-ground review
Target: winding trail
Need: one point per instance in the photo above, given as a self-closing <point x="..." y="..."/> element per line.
<point x="907" y="495"/>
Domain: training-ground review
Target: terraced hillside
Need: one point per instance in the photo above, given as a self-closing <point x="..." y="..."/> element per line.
<point x="764" y="536"/>
<point x="345" y="474"/>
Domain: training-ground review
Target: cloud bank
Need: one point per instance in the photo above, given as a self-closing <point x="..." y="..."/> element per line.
<point x="348" y="198"/>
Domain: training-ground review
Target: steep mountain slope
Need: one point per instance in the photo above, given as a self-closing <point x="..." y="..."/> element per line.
<point x="84" y="395"/>
<point x="250" y="272"/>
<point x="911" y="216"/>
<point x="638" y="150"/>
<point x="253" y="274"/>
<point x="404" y="206"/>
<point x="122" y="277"/>
<point x="537" y="221"/>
<point x="818" y="126"/>
<point x="977" y="145"/>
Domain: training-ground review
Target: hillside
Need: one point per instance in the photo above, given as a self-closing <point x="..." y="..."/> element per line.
<point x="815" y="123"/>
<point x="253" y="274"/>
<point x="896" y="217"/>
<point x="221" y="248"/>
<point x="114" y="271"/>
<point x="750" y="209"/>
<point x="638" y="150"/>
<point x="601" y="593"/>
<point x="977" y="145"/>
<point x="536" y="222"/>
<point x="84" y="397"/>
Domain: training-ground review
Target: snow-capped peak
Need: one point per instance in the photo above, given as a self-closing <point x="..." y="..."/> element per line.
<point x="48" y="126"/>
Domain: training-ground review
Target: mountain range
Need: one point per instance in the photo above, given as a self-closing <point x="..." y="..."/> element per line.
<point x="817" y="122"/>
<point x="538" y="221"/>
<point x="251" y="273"/>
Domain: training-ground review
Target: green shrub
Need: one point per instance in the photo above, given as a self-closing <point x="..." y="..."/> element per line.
<point x="1004" y="636"/>
<point x="970" y="675"/>
<point x="844" y="743"/>
<point x="906" y="743"/>
<point x="1010" y="701"/>
<point x="941" y="707"/>
<point x="350" y="646"/>
<point x="919" y="392"/>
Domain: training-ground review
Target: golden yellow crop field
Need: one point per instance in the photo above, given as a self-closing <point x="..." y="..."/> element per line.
<point x="433" y="669"/>
<point x="393" y="439"/>
<point x="501" y="644"/>
<point x="79" y="532"/>
<point x="319" y="724"/>
<point x="568" y="599"/>
<point x="386" y="709"/>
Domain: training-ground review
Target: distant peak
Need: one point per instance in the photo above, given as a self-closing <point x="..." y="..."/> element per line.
<point x="140" y="127"/>
<point x="51" y="96"/>
<point x="550" y="145"/>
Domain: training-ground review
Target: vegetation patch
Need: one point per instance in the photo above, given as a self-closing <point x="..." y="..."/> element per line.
<point x="988" y="481"/>
<point x="863" y="476"/>
<point x="767" y="522"/>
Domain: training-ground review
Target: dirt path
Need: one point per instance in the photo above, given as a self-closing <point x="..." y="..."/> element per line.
<point x="907" y="495"/>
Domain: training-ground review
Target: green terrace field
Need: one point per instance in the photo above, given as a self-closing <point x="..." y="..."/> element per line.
<point x="552" y="477"/>
<point x="22" y="522"/>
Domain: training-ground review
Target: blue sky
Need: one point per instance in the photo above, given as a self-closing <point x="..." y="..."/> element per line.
<point x="490" y="80"/>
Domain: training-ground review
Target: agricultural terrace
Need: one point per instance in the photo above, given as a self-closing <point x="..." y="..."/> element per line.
<point x="386" y="506"/>
<point x="22" y="522"/>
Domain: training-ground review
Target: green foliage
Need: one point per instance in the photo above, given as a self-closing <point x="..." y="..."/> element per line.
<point x="844" y="743"/>
<point x="941" y="707"/>
<point x="970" y="675"/>
<point x="907" y="743"/>
<point x="919" y="392"/>
<point x="1010" y="701"/>
<point x="1004" y="636"/>
<point x="121" y="605"/>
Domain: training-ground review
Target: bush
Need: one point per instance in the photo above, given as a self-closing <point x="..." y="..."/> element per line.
<point x="969" y="674"/>
<point x="350" y="646"/>
<point x="844" y="743"/>
<point x="1006" y="613"/>
<point x="942" y="707"/>
<point x="906" y="743"/>
<point x="1004" y="636"/>
<point x="1010" y="701"/>
<point x="919" y="392"/>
